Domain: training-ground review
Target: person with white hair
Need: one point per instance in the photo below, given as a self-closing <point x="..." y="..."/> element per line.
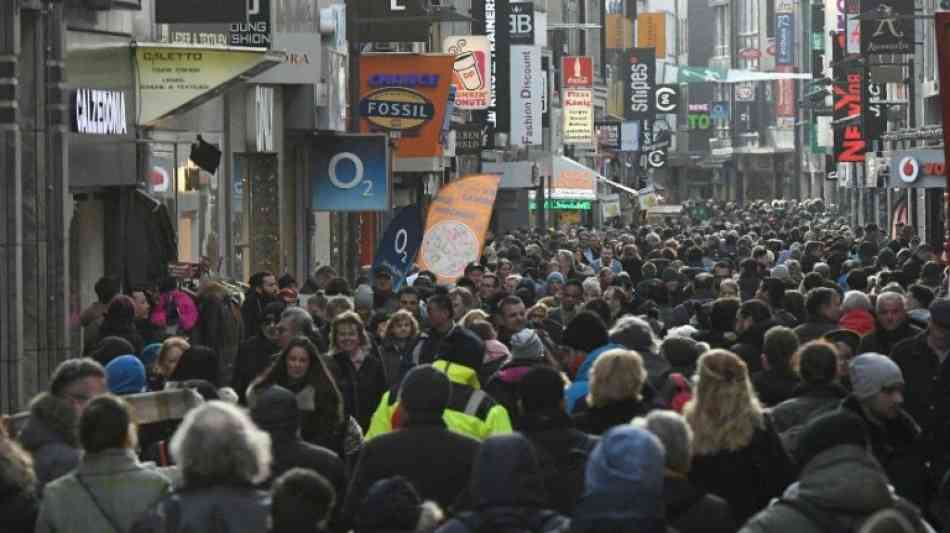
<point x="221" y="455"/>
<point x="892" y="323"/>
<point x="689" y="508"/>
<point x="592" y="289"/>
<point x="856" y="313"/>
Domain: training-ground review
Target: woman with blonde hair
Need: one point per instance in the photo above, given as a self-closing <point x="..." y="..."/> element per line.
<point x="737" y="453"/>
<point x="399" y="339"/>
<point x="356" y="367"/>
<point x="616" y="392"/>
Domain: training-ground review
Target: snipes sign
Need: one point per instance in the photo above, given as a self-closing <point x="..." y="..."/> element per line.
<point x="406" y="93"/>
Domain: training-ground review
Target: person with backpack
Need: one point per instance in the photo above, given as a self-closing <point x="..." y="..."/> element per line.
<point x="507" y="494"/>
<point x="562" y="449"/>
<point x="841" y="487"/>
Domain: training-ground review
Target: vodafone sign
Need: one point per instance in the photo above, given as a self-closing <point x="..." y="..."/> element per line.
<point x="908" y="169"/>
<point x="918" y="168"/>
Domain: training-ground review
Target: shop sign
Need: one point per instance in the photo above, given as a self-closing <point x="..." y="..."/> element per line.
<point x="521" y="23"/>
<point x="698" y="121"/>
<point x="630" y="137"/>
<point x="350" y="173"/>
<point x="99" y="112"/>
<point x="651" y="32"/>
<point x="784" y="39"/>
<point x="942" y="24"/>
<point x="407" y="93"/>
<point x="189" y="11"/>
<point x="918" y="168"/>
<point x="719" y="111"/>
<point x="253" y="29"/>
<point x="750" y="53"/>
<point x="526" y="96"/>
<point x="405" y="20"/>
<point x="578" y="72"/>
<point x="850" y="144"/>
<point x="785" y="94"/>
<point x="562" y="205"/>
<point x="620" y="30"/>
<point x="470" y="72"/>
<point x="169" y="78"/>
<point x="667" y="99"/>
<point x="608" y="134"/>
<point x="485" y="13"/>
<point x="656" y="158"/>
<point x="468" y="139"/>
<point x="891" y="34"/>
<point x="745" y="92"/>
<point x="640" y="84"/>
<point x="578" y="107"/>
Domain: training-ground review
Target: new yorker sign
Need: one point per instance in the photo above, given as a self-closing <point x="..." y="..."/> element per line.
<point x="99" y="112"/>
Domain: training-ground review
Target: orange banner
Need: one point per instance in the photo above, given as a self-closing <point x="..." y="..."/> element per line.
<point x="619" y="32"/>
<point x="651" y="32"/>
<point x="408" y="94"/>
<point x="456" y="224"/>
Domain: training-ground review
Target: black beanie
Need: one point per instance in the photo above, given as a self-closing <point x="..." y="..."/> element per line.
<point x="542" y="388"/>
<point x="586" y="332"/>
<point x="829" y="430"/>
<point x="464" y="347"/>
<point x="425" y="390"/>
<point x="390" y="504"/>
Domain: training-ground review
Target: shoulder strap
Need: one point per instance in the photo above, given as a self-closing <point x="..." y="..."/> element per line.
<point x="825" y="523"/>
<point x="115" y="527"/>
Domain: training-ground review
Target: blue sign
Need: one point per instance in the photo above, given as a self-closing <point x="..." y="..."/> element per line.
<point x="784" y="39"/>
<point x="398" y="247"/>
<point x="350" y="173"/>
<point x="719" y="111"/>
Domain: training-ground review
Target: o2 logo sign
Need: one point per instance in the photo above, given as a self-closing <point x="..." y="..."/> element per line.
<point x="401" y="244"/>
<point x="350" y="173"/>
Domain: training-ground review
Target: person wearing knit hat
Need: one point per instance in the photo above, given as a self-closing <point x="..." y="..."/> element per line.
<point x="431" y="454"/>
<point x="125" y="375"/>
<point x="472" y="411"/>
<point x="526" y="344"/>
<point x="877" y="396"/>
<point x="623" y="489"/>
<point x="363" y="302"/>
<point x="150" y="354"/>
<point x="834" y="428"/>
<point x="527" y="353"/>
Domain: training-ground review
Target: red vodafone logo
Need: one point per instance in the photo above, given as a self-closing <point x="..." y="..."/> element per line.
<point x="908" y="170"/>
<point x="158" y="179"/>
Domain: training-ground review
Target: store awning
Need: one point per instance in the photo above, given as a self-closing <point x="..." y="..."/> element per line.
<point x="171" y="79"/>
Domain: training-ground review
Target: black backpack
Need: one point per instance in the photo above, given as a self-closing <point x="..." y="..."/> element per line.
<point x="901" y="510"/>
<point x="476" y="523"/>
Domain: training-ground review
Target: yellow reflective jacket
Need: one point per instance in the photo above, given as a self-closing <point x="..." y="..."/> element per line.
<point x="470" y="412"/>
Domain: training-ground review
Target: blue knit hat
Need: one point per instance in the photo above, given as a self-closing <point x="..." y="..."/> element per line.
<point x="555" y="277"/>
<point x="150" y="353"/>
<point x="125" y="375"/>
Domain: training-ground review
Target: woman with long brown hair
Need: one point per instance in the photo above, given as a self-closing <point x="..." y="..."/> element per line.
<point x="357" y="368"/>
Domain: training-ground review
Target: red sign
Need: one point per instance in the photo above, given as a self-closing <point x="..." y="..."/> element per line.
<point x="785" y="95"/>
<point x="750" y="53"/>
<point x="578" y="72"/>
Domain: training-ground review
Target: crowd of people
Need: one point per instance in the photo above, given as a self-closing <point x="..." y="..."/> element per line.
<point x="768" y="369"/>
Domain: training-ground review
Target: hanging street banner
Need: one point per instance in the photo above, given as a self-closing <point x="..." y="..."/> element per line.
<point x="521" y="23"/>
<point x="409" y="94"/>
<point x="893" y="33"/>
<point x="470" y="72"/>
<point x="578" y="107"/>
<point x="651" y="32"/>
<point x="398" y="247"/>
<point x="487" y="14"/>
<point x="942" y="24"/>
<point x="639" y="84"/>
<point x="874" y="118"/>
<point x="387" y="20"/>
<point x="619" y="31"/>
<point x="784" y="39"/>
<point x="456" y="224"/>
<point x="526" y="104"/>
<point x="350" y="172"/>
<point x="850" y="144"/>
<point x="578" y="72"/>
<point x="785" y="95"/>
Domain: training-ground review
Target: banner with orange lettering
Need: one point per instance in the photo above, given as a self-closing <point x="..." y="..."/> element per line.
<point x="456" y="225"/>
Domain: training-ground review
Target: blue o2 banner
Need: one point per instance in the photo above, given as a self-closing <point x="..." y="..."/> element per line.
<point x="350" y="173"/>
<point x="784" y="39"/>
<point x="398" y="247"/>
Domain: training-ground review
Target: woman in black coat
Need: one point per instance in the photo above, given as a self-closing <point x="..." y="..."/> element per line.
<point x="616" y="392"/>
<point x="119" y="321"/>
<point x="357" y="368"/>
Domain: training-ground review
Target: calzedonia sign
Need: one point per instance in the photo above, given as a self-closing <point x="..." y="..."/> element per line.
<point x="99" y="112"/>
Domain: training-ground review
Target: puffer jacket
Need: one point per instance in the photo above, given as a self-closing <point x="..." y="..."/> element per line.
<point x="51" y="436"/>
<point x="844" y="481"/>
<point x="124" y="489"/>
<point x="220" y="508"/>
<point x="859" y="321"/>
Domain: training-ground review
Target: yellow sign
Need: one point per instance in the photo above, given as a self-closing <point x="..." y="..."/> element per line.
<point x="456" y="225"/>
<point x="651" y="32"/>
<point x="619" y="32"/>
<point x="172" y="77"/>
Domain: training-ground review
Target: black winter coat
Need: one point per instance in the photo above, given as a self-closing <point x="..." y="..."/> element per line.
<point x="774" y="388"/>
<point x="812" y="330"/>
<point x="690" y="509"/>
<point x="882" y="342"/>
<point x="749" y="344"/>
<point x="597" y="420"/>
<point x="255" y="355"/>
<point x="562" y="452"/>
<point x="221" y="508"/>
<point x="361" y="389"/>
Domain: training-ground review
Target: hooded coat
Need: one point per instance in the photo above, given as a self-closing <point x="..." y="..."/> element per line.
<point x="507" y="492"/>
<point x="503" y="386"/>
<point x="562" y="454"/>
<point x="844" y="481"/>
<point x="51" y="436"/>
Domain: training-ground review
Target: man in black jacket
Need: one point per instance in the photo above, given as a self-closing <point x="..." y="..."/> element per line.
<point x="257" y="353"/>
<point x="893" y="325"/>
<point x="436" y="461"/>
<point x="263" y="291"/>
<point x="823" y="306"/>
<point x="753" y="320"/>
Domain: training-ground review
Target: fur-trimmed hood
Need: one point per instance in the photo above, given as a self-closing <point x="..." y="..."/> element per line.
<point x="52" y="420"/>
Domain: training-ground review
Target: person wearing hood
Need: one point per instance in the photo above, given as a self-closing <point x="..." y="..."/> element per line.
<point x="689" y="509"/>
<point x="51" y="433"/>
<point x="616" y="392"/>
<point x="471" y="411"/>
<point x="823" y="306"/>
<point x="258" y="352"/>
<point x="877" y="398"/>
<point x="587" y="338"/>
<point x="623" y="488"/>
<point x="507" y="493"/>
<point x="109" y="489"/>
<point x="553" y="286"/>
<point x="562" y="449"/>
<point x="893" y="325"/>
<point x="394" y="506"/>
<point x="840" y="482"/>
<point x="435" y="459"/>
<point x="777" y="381"/>
<point x="276" y="412"/>
<point x="527" y="352"/>
<point x="753" y="320"/>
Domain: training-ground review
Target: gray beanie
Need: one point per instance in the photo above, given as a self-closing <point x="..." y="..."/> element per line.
<point x="872" y="372"/>
<point x="526" y="345"/>
<point x="363" y="296"/>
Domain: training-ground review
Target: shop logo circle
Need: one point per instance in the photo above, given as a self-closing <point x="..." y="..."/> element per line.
<point x="908" y="169"/>
<point x="396" y="108"/>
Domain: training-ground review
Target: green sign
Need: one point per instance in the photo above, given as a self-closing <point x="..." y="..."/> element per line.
<point x="697" y="74"/>
<point x="579" y="205"/>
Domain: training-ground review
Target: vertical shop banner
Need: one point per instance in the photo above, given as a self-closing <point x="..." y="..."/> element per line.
<point x="893" y="32"/>
<point x="874" y="118"/>
<point x="785" y="94"/>
<point x="408" y="94"/>
<point x="350" y="173"/>
<point x="578" y="107"/>
<point x="639" y="84"/>
<point x="651" y="32"/>
<point x="526" y="89"/>
<point x="521" y="23"/>
<point x="487" y="14"/>
<point x="470" y="72"/>
<point x="850" y="145"/>
<point x="619" y="31"/>
<point x="397" y="249"/>
<point x="578" y="72"/>
<point x="784" y="39"/>
<point x="835" y="22"/>
<point x="456" y="224"/>
<point x="630" y="137"/>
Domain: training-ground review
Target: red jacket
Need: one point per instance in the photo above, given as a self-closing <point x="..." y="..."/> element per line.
<point x="859" y="321"/>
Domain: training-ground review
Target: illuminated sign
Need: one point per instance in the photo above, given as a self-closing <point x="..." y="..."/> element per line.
<point x="98" y="112"/>
<point x="396" y="108"/>
<point x="404" y="80"/>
